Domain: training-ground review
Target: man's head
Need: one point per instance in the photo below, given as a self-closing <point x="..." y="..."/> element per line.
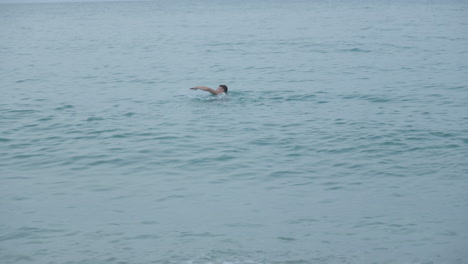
<point x="223" y="88"/>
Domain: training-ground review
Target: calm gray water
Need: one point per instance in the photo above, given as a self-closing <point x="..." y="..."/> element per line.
<point x="343" y="138"/>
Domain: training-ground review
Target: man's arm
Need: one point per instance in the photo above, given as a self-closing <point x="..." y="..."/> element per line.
<point x="204" y="88"/>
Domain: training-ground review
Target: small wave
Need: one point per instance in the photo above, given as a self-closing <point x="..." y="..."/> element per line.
<point x="205" y="234"/>
<point x="220" y="261"/>
<point x="170" y="197"/>
<point x="24" y="111"/>
<point x="286" y="239"/>
<point x="30" y="232"/>
<point x="93" y="118"/>
<point x="129" y="114"/>
<point x="27" y="80"/>
<point x="64" y="107"/>
<point x="116" y="161"/>
<point x="144" y="237"/>
<point x="46" y="118"/>
<point x="356" y="50"/>
<point x="370" y="98"/>
<point x="221" y="257"/>
<point x="304" y="97"/>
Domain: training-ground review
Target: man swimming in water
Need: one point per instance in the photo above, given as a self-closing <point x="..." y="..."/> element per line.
<point x="221" y="89"/>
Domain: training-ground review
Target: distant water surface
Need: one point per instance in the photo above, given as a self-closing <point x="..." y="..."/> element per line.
<point x="343" y="138"/>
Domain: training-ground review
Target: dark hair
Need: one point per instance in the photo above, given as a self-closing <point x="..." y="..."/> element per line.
<point x="224" y="87"/>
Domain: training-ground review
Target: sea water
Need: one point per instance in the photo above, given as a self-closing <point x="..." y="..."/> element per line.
<point x="343" y="137"/>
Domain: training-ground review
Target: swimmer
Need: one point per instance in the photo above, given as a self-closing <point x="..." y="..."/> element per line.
<point x="221" y="89"/>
